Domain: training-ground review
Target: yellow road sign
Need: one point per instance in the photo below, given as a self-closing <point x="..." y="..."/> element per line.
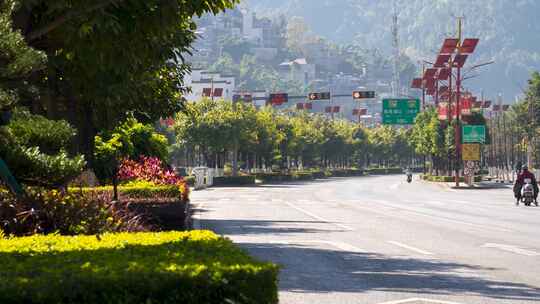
<point x="471" y="152"/>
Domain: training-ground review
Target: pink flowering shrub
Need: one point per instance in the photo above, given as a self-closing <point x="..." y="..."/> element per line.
<point x="151" y="169"/>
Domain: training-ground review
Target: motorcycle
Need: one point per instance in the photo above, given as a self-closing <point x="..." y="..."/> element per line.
<point x="527" y="193"/>
<point x="409" y="178"/>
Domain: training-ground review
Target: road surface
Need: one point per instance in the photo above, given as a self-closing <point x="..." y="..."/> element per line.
<point x="380" y="240"/>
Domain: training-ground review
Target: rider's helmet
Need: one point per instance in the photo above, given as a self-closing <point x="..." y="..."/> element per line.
<point x="524" y="167"/>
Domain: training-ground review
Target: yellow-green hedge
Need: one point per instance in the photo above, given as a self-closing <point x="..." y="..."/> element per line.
<point x="125" y="268"/>
<point x="140" y="191"/>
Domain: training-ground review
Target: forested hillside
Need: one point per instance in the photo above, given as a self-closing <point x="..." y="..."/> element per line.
<point x="509" y="31"/>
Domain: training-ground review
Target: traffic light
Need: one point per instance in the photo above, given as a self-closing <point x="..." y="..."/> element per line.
<point x="247" y="98"/>
<point x="363" y="94"/>
<point x="278" y="98"/>
<point x="319" y="96"/>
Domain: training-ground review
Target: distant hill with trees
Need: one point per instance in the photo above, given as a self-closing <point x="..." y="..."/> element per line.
<point x="508" y="31"/>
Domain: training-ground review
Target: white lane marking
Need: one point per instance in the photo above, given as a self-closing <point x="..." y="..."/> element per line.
<point x="421" y="300"/>
<point x="512" y="249"/>
<point x="394" y="186"/>
<point x="277" y="200"/>
<point x="417" y="250"/>
<point x="418" y="213"/>
<point x="318" y="217"/>
<point x="225" y="199"/>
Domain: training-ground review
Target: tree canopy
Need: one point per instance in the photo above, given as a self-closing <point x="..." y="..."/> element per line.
<point x="108" y="59"/>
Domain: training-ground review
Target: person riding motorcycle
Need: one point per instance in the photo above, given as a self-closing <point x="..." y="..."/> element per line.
<point x="408" y="173"/>
<point x="523" y="175"/>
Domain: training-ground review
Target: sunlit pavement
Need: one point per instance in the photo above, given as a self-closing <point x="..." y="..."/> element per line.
<point x="381" y="240"/>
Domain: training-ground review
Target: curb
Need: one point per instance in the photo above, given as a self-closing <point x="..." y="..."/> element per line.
<point x="196" y="217"/>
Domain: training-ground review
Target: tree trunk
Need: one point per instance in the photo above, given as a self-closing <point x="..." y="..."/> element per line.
<point x="235" y="159"/>
<point x="86" y="131"/>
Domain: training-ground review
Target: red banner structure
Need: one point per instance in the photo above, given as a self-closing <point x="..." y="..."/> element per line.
<point x="465" y="107"/>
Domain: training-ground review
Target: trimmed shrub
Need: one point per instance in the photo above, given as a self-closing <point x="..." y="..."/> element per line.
<point x="382" y="171"/>
<point x="126" y="268"/>
<point x="302" y="176"/>
<point x="318" y="174"/>
<point x="34" y="148"/>
<point x="448" y="179"/>
<point x="141" y="191"/>
<point x="234" y="180"/>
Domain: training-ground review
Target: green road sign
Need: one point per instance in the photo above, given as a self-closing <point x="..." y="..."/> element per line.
<point x="400" y="111"/>
<point x="474" y="133"/>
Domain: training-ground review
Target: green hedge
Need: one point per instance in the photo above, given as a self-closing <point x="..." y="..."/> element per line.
<point x="234" y="180"/>
<point x="126" y="268"/>
<point x="139" y="192"/>
<point x="382" y="171"/>
<point x="447" y="179"/>
<point x="190" y="180"/>
<point x="307" y="175"/>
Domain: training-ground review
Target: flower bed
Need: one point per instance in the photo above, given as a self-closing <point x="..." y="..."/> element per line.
<point x="172" y="267"/>
<point x="163" y="206"/>
<point x="52" y="211"/>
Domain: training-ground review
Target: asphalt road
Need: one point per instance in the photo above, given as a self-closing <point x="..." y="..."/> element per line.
<point x="380" y="240"/>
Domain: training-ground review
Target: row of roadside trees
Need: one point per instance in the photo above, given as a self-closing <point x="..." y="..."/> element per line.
<point x="216" y="133"/>
<point x="512" y="136"/>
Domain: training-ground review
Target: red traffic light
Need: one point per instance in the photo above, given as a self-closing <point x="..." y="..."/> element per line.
<point x="278" y="98"/>
<point x="363" y="94"/>
<point x="319" y="96"/>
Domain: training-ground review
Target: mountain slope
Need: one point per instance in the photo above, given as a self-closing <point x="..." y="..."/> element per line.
<point x="509" y="31"/>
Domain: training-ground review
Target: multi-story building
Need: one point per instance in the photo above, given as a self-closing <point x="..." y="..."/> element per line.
<point x="298" y="70"/>
<point x="206" y="84"/>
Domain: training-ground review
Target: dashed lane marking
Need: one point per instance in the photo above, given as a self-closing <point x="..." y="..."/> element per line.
<point x="512" y="249"/>
<point x="318" y="217"/>
<point x="419" y="301"/>
<point x="442" y="218"/>
<point x="411" y="248"/>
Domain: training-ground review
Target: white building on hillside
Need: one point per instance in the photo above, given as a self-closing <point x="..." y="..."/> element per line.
<point x="298" y="70"/>
<point x="207" y="84"/>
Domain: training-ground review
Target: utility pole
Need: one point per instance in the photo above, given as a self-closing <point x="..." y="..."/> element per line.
<point x="395" y="44"/>
<point x="458" y="107"/>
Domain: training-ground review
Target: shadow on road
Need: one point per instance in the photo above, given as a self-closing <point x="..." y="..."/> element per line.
<point x="255" y="227"/>
<point x="311" y="270"/>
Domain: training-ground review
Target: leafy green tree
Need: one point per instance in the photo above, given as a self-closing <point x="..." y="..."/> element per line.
<point x="132" y="140"/>
<point x="110" y="58"/>
<point x="19" y="61"/>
